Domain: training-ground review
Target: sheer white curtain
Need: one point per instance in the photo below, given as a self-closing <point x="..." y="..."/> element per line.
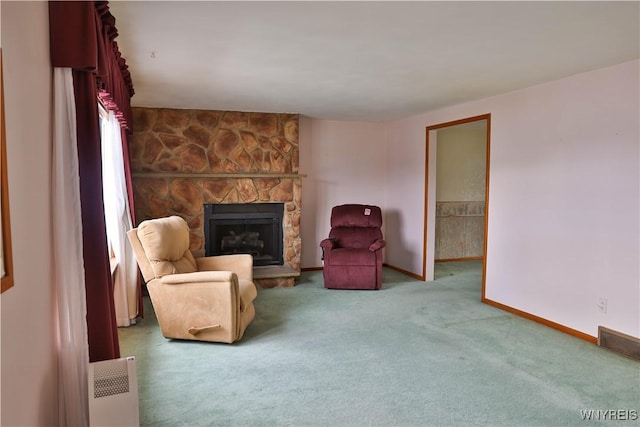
<point x="118" y="220"/>
<point x="68" y="261"/>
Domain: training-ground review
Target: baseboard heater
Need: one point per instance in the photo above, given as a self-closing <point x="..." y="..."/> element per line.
<point x="113" y="393"/>
<point x="618" y="342"/>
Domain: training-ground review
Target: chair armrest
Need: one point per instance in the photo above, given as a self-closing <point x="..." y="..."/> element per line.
<point x="198" y="277"/>
<point x="327" y="244"/>
<point x="241" y="264"/>
<point x="377" y="245"/>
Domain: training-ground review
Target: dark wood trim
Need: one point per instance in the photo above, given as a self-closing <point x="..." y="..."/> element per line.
<point x="405" y="272"/>
<point x="459" y="122"/>
<point x="486" y="204"/>
<point x="430" y="128"/>
<point x="469" y="258"/>
<point x="7" y="279"/>
<point x="312" y="269"/>
<point x="425" y="209"/>
<point x="542" y="321"/>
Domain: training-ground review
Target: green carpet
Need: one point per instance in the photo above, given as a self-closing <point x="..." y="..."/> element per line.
<point x="410" y="354"/>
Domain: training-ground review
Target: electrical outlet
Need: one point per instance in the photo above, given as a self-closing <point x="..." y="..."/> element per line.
<point x="602" y="305"/>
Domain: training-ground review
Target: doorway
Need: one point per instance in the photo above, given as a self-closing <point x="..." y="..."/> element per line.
<point x="457" y="192"/>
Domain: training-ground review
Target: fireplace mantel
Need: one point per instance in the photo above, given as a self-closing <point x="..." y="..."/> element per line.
<point x="217" y="175"/>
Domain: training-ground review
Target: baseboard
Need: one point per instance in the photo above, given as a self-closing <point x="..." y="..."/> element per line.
<point x="542" y="321"/>
<point x="399" y="270"/>
<point x="470" y="258"/>
<point x="618" y="342"/>
<point x="408" y="273"/>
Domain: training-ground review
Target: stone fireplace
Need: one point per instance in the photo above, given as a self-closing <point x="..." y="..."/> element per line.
<point x="185" y="160"/>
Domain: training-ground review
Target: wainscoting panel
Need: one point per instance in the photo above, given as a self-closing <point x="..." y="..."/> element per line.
<point x="459" y="230"/>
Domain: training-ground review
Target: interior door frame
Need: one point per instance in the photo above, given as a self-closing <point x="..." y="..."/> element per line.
<point x="429" y="212"/>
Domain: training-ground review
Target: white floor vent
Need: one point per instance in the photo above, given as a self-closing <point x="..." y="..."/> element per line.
<point x="113" y="393"/>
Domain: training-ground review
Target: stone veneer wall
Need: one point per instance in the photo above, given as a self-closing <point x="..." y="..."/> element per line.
<point x="181" y="159"/>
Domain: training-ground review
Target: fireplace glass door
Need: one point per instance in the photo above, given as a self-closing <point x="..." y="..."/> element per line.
<point x="245" y="228"/>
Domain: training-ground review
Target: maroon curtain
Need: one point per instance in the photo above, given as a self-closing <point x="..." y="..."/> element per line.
<point x="101" y="319"/>
<point x="82" y="36"/>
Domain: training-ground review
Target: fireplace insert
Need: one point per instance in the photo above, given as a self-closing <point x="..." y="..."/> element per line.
<point x="245" y="228"/>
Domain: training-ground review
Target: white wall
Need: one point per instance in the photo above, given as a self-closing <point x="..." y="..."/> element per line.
<point x="406" y="154"/>
<point x="29" y="367"/>
<point x="345" y="162"/>
<point x="563" y="201"/>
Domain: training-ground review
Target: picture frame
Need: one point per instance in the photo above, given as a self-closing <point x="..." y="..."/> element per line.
<point x="6" y="256"/>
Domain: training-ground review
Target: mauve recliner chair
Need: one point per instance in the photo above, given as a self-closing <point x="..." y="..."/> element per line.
<point x="353" y="252"/>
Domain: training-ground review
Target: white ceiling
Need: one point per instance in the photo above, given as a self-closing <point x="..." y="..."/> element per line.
<point x="361" y="60"/>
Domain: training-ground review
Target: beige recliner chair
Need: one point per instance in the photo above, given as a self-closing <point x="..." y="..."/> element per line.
<point x="204" y="299"/>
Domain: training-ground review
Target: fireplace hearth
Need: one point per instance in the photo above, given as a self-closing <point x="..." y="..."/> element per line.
<point x="245" y="228"/>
